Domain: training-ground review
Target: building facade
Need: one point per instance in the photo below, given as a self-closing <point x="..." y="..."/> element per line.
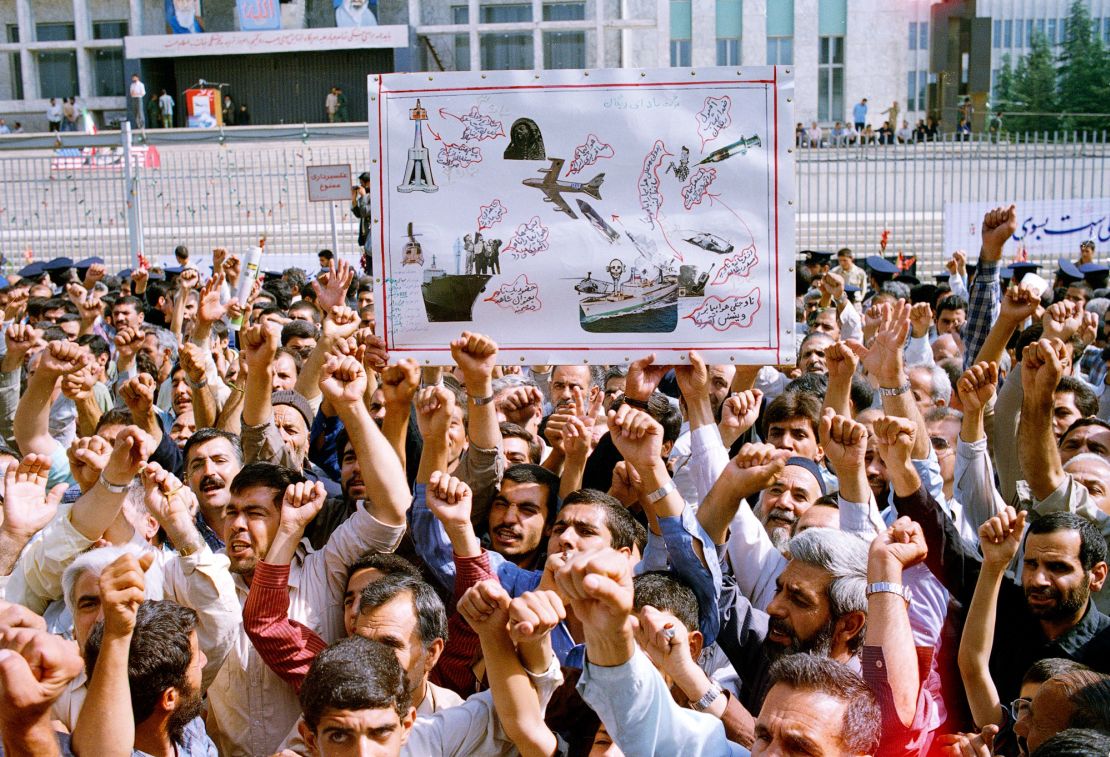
<point x="889" y="51"/>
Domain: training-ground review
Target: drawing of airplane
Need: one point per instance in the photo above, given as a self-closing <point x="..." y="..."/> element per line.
<point x="553" y="189"/>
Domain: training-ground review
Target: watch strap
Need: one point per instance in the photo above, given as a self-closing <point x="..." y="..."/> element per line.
<point x="479" y="401"/>
<point x="887" y="391"/>
<point x="113" y="488"/>
<point x="708" y="698"/>
<point x="661" y="492"/>
<point x="886" y="587"/>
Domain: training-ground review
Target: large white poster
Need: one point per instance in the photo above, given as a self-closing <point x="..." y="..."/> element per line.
<point x="586" y="216"/>
<point x="1047" y="229"/>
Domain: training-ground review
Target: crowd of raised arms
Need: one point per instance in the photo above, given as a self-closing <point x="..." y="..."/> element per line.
<point x="278" y="540"/>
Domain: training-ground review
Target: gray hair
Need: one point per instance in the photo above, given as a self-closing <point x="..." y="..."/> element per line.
<point x="511" y="381"/>
<point x="1098" y="305"/>
<point x="938" y="380"/>
<point x="844" y="557"/>
<point x="166" y="340"/>
<point x="1088" y="457"/>
<point x="93" y="561"/>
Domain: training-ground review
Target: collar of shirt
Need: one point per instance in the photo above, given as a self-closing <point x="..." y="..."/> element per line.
<point x="1089" y="626"/>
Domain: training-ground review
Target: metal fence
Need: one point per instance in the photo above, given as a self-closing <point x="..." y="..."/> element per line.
<point x="227" y="189"/>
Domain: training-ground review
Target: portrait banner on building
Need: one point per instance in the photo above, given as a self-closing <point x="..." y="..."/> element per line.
<point x="586" y="216"/>
<point x="1047" y="229"/>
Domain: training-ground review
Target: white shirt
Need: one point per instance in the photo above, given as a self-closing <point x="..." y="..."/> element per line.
<point x="250" y="709"/>
<point x="54" y="112"/>
<point x="138" y="89"/>
<point x="165" y="102"/>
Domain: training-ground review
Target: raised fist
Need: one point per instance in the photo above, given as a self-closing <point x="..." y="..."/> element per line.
<point x="998" y="226"/>
<point x="343" y="381"/>
<point x="977" y="386"/>
<point x="475" y="354"/>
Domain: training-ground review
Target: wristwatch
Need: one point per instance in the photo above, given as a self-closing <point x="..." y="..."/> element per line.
<point x="708" y="698"/>
<point x="661" y="492"/>
<point x="113" y="488"/>
<point x="886" y="391"/>
<point x="880" y="587"/>
<point x="479" y="401"/>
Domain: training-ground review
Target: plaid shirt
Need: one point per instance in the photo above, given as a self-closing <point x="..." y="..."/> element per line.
<point x="983" y="309"/>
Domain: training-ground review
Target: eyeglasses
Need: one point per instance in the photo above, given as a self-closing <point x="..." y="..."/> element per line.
<point x="1020" y="706"/>
<point x="939" y="443"/>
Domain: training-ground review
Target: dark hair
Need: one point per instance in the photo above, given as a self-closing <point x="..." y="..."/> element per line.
<point x="513" y="431"/>
<point x="1083" y="286"/>
<point x="131" y="300"/>
<point x="619" y="521"/>
<point x="861" y="395"/>
<point x="1075" y="742"/>
<point x="55" y="334"/>
<point x="181" y="251"/>
<point x="298" y="361"/>
<point x="116" y="416"/>
<point x="924" y="293"/>
<point x="1047" y="667"/>
<point x="295" y="277"/>
<point x="386" y="563"/>
<point x="354" y="674"/>
<point x="1026" y="338"/>
<point x="951" y="302"/>
<point x="1092" y="546"/>
<point x="326" y="254"/>
<point x="267" y="475"/>
<point x="155" y="290"/>
<point x="526" y="473"/>
<point x="160" y="653"/>
<point x="664" y="591"/>
<point x="431" y="617"/>
<point x="280" y="291"/>
<point x="1081" y="423"/>
<point x="97" y="344"/>
<point x="862" y="716"/>
<point x="207" y="434"/>
<point x="790" y="405"/>
<point x="298" y="328"/>
<point x="815" y="384"/>
<point x="1085" y="400"/>
<point x="306" y="305"/>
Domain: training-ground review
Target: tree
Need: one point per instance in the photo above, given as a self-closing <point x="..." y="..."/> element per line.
<point x="1083" y="73"/>
<point x="1033" y="91"/>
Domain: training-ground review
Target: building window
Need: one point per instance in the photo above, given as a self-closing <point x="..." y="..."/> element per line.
<point x="997" y="34"/>
<point x="780" y="51"/>
<point x="1019" y="33"/>
<point x="564" y="49"/>
<point x="913" y="35"/>
<point x="729" y="27"/>
<point x="1106" y="30"/>
<point x="460" y="14"/>
<point x="15" y="64"/>
<point x="108" y="64"/>
<point x="57" y="68"/>
<point x="1052" y="31"/>
<point x="923" y="35"/>
<point x="681" y="32"/>
<point x="1008" y="33"/>
<point x="506" y="50"/>
<point x="1029" y="31"/>
<point x="728" y="52"/>
<point x="830" y="79"/>
<point x="1040" y="27"/>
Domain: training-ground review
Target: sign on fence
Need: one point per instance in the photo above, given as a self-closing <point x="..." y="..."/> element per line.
<point x="1047" y="229"/>
<point x="329" y="183"/>
<point x="587" y="216"/>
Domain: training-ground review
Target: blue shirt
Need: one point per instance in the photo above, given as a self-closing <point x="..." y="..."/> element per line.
<point x="859" y="113"/>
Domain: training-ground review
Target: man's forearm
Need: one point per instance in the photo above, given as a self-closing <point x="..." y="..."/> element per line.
<point x="395" y="428"/>
<point x="481" y="425"/>
<point x="699" y="411"/>
<point x="256" y="401"/>
<point x="994" y="345"/>
<point x="608" y="649"/>
<point x="308" y="380"/>
<point x="11" y="546"/>
<point x="838" y="396"/>
<point x="1037" y="451"/>
<point x="95" y="510"/>
<point x="903" y="406"/>
<point x="88" y="415"/>
<point x="888" y="627"/>
<point x="32" y="416"/>
<point x="904" y="478"/>
<point x="386" y="484"/>
<point x="107" y="724"/>
<point x="433" y="457"/>
<point x="971" y="426"/>
<point x="204" y="406"/>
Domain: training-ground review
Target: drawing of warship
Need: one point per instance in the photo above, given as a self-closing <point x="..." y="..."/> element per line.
<point x="413" y="254"/>
<point x="450" y="297"/>
<point x="711" y="242"/>
<point x="690" y="284"/>
<point x="637" y="294"/>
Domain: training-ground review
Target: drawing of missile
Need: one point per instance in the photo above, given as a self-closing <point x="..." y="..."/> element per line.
<point x="739" y="147"/>
<point x="598" y="222"/>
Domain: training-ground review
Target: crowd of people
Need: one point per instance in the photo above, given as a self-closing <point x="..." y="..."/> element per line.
<point x="242" y="529"/>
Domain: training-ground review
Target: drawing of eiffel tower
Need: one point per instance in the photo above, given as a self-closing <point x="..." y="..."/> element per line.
<point x="418" y="169"/>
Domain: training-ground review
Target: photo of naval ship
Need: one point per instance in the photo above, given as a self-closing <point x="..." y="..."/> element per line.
<point x="450" y="297"/>
<point x="639" y="303"/>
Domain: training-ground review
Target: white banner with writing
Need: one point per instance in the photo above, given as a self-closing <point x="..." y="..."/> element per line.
<point x="1047" y="229"/>
<point x="586" y="216"/>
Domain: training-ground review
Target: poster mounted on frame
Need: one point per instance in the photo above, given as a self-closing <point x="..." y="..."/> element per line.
<point x="586" y="216"/>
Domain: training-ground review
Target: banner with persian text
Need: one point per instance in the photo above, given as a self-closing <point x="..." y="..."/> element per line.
<point x="586" y="216"/>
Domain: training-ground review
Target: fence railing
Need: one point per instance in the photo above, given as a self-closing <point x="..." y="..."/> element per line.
<point x="207" y="189"/>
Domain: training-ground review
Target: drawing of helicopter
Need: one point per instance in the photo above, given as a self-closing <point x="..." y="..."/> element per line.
<point x="553" y="189"/>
